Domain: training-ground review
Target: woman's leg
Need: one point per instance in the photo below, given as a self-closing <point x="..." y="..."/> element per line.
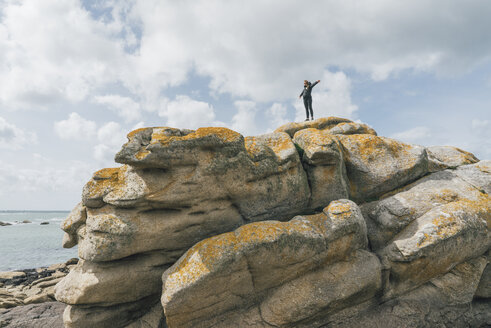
<point x="310" y="108"/>
<point x="306" y="104"/>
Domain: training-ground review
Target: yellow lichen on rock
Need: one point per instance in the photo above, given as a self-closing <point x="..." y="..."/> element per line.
<point x="340" y="210"/>
<point x="223" y="134"/>
<point x="105" y="180"/>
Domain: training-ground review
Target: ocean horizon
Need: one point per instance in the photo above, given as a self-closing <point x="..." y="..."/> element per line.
<point x="32" y="245"/>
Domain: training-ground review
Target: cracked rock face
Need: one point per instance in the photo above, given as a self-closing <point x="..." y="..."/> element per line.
<point x="220" y="230"/>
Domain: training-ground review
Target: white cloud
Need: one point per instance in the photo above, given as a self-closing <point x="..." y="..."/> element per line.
<point x="419" y="134"/>
<point x="277" y="115"/>
<point x="111" y="137"/>
<point x="56" y="50"/>
<point x="380" y="38"/>
<point x="184" y="112"/>
<point x="42" y="183"/>
<point x="244" y="121"/>
<point x="12" y="137"/>
<point x="53" y="50"/>
<point x="75" y="127"/>
<point x="330" y="97"/>
<point x="125" y="107"/>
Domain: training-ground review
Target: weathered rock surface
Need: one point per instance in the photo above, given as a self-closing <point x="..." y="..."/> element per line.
<point x="186" y="220"/>
<point x="445" y="301"/>
<point x="287" y="271"/>
<point x="437" y="241"/>
<point x="48" y="314"/>
<point x="478" y="175"/>
<point x="376" y="165"/>
<point x="444" y="157"/>
<point x="31" y="285"/>
<point x="323" y="162"/>
<point x="396" y="210"/>
<point x="332" y="125"/>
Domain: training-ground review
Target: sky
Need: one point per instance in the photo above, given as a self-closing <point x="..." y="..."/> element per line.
<point x="77" y="76"/>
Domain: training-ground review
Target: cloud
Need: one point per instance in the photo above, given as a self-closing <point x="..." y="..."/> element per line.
<point x="244" y="121"/>
<point x="125" y="107"/>
<point x="381" y="38"/>
<point x="111" y="137"/>
<point x="48" y="184"/>
<point x="75" y="127"/>
<point x="418" y="134"/>
<point x="57" y="50"/>
<point x="185" y="112"/>
<point x="331" y="97"/>
<point x="12" y="137"/>
<point x="53" y="50"/>
<point x="277" y="115"/>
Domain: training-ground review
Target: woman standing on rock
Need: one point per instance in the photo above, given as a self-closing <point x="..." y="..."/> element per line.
<point x="307" y="97"/>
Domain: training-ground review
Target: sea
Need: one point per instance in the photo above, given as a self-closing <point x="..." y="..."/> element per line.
<point x="32" y="245"/>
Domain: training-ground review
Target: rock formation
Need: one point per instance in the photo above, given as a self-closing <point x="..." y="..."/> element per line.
<point x="318" y="224"/>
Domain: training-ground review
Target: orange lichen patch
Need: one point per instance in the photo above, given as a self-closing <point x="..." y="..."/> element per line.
<point x="319" y="222"/>
<point x="107" y="173"/>
<point x="106" y="180"/>
<point x="322" y="123"/>
<point x="456" y="155"/>
<point x="445" y="196"/>
<point x="252" y="147"/>
<point x="201" y="259"/>
<point x="352" y="128"/>
<point x="260" y="232"/>
<point x="141" y="154"/>
<point x="467" y="157"/>
<point x="108" y="223"/>
<point x="223" y="134"/>
<point x="371" y="147"/>
<point x="339" y="210"/>
<point x="135" y="132"/>
<point x="277" y="143"/>
<point x="314" y="137"/>
<point x="483" y="167"/>
<point x="226" y="135"/>
<point x="450" y="223"/>
<point x="445" y="226"/>
<point x="206" y="255"/>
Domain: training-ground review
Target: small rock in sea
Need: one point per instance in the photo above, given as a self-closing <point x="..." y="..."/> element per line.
<point x="2" y="224"/>
<point x="26" y="221"/>
<point x="44" y="223"/>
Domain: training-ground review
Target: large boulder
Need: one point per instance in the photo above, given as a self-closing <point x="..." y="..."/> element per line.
<point x="444" y="157"/>
<point x="396" y="210"/>
<point x="436" y="242"/>
<point x="323" y="123"/>
<point x="323" y="161"/>
<point x="108" y="283"/>
<point x="186" y="220"/>
<point x="444" y="301"/>
<point x="478" y="175"/>
<point x="376" y="165"/>
<point x="257" y="267"/>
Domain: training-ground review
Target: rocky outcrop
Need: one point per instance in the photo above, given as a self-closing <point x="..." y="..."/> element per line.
<point x="32" y="285"/>
<point x="47" y="314"/>
<point x="219" y="230"/>
<point x="278" y="273"/>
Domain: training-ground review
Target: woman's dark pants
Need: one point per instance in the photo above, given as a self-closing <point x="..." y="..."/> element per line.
<point x="307" y="101"/>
